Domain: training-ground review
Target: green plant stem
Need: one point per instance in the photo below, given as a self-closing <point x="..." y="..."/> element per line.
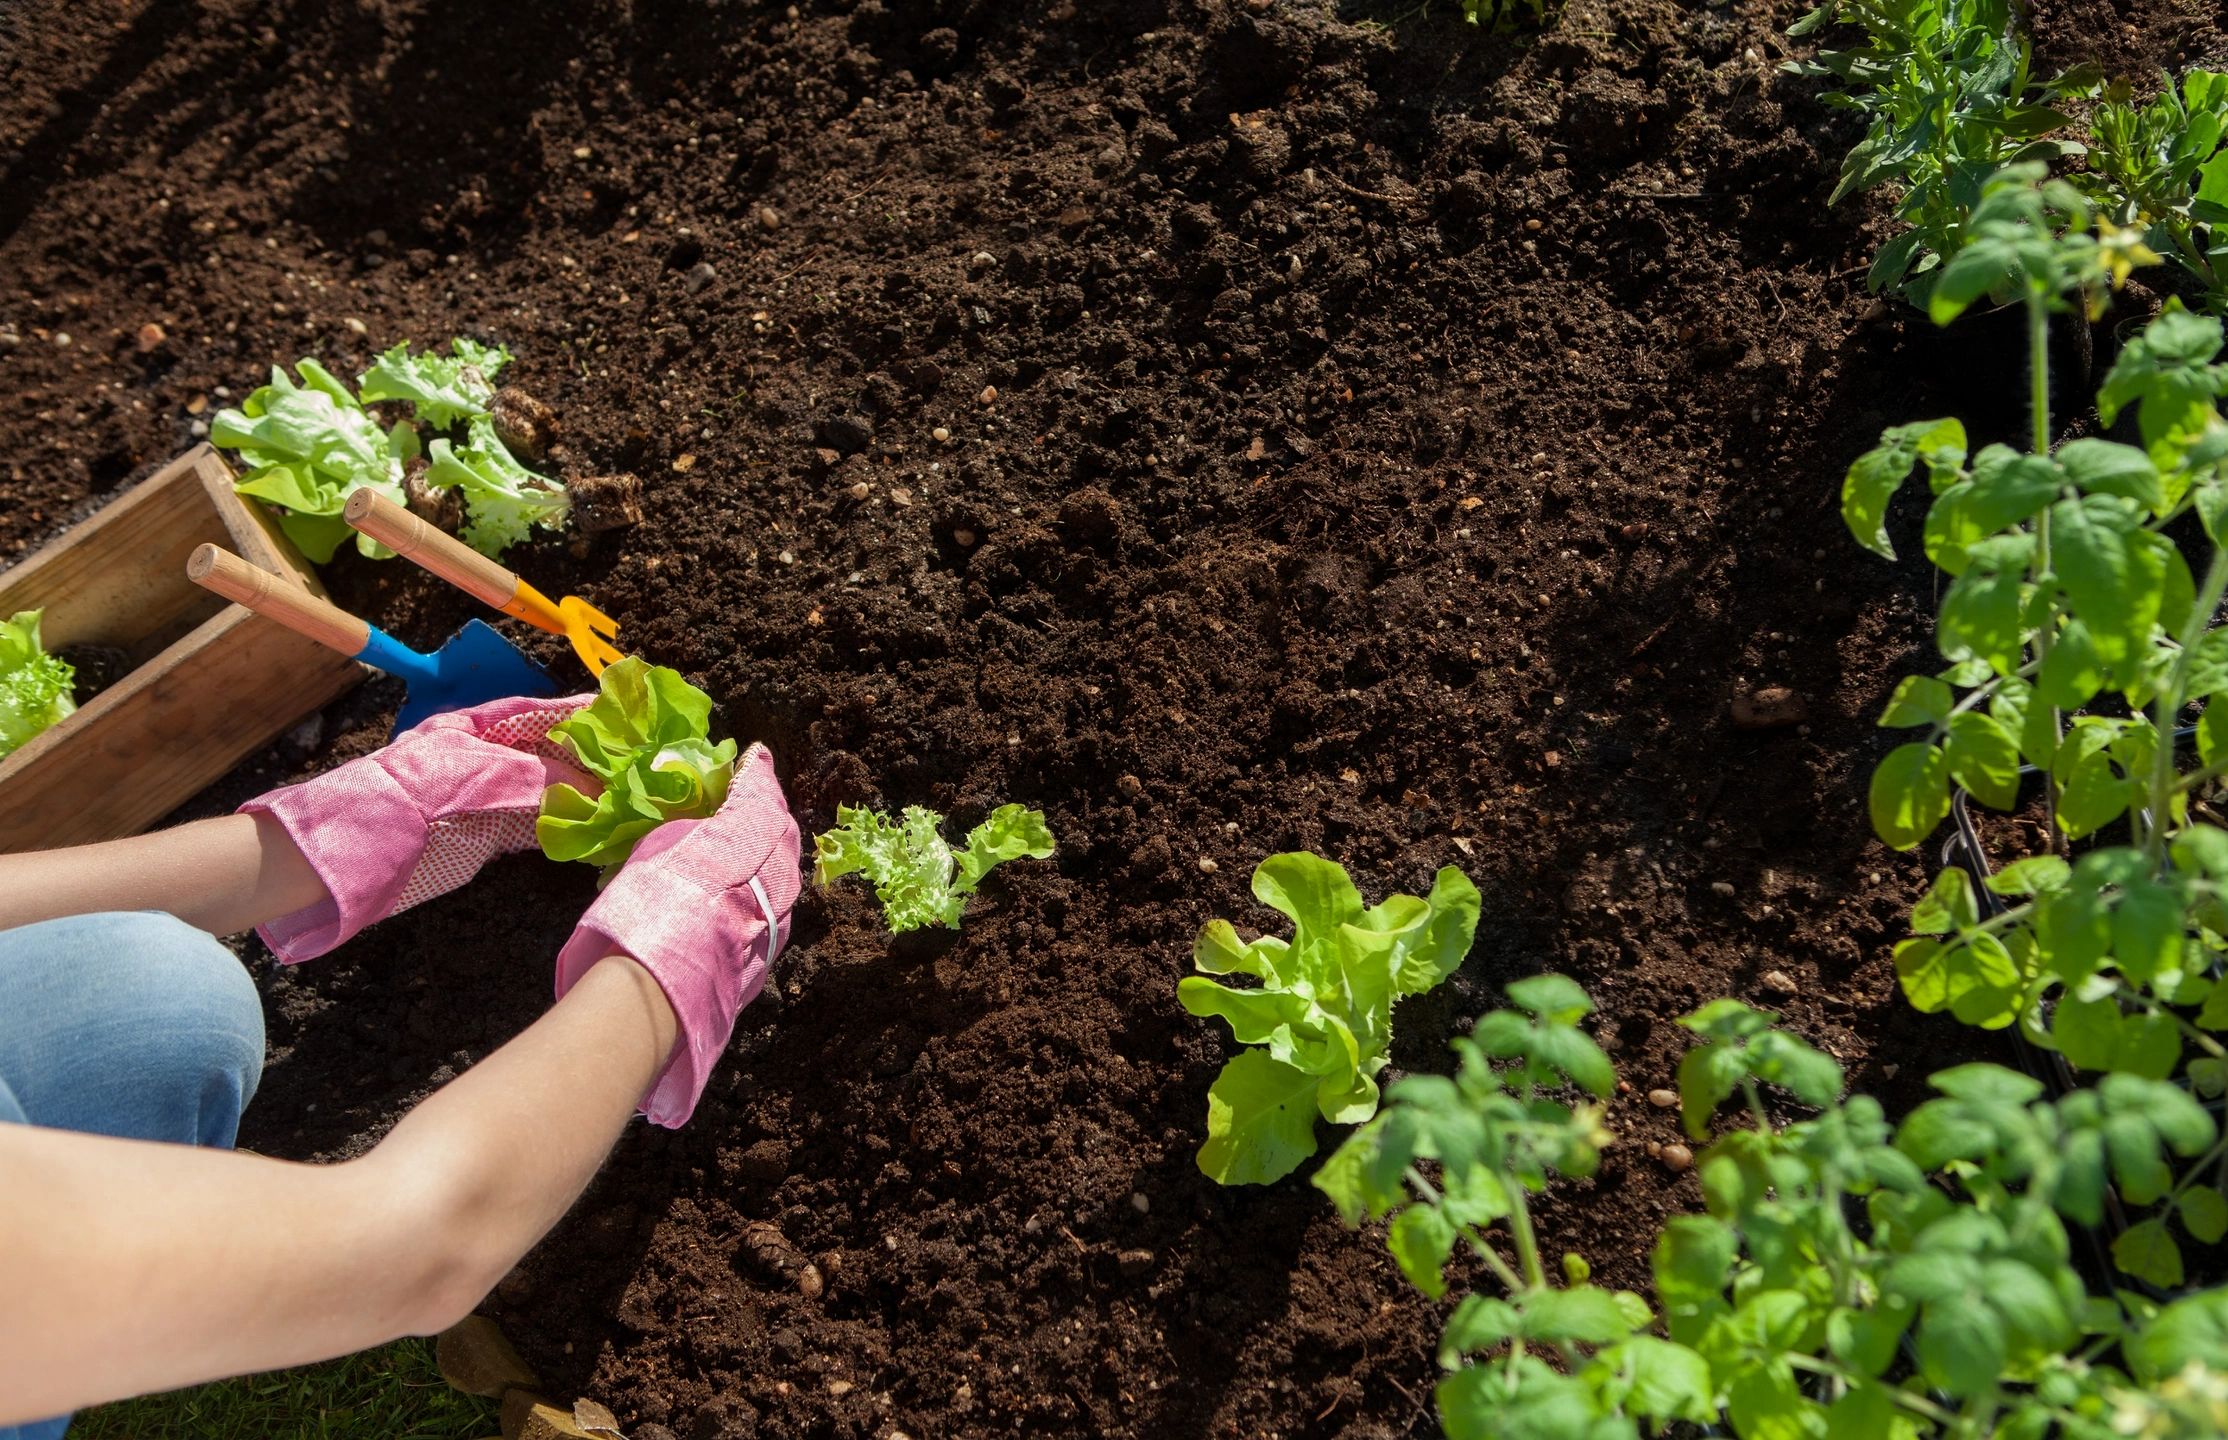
<point x="2169" y="705"/>
<point x="1527" y="1240"/>
<point x="2038" y="396"/>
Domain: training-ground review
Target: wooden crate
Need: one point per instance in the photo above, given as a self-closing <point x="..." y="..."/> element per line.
<point x="210" y="682"/>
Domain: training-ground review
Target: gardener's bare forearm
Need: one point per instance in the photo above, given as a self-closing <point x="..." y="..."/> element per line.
<point x="223" y="875"/>
<point x="155" y="1266"/>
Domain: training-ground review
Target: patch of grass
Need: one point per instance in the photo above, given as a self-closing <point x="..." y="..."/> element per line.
<point x="392" y="1393"/>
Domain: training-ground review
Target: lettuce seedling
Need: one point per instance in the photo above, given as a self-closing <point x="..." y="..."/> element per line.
<point x="917" y="876"/>
<point x="441" y="389"/>
<point x="34" y="686"/>
<point x="645" y="736"/>
<point x="307" y="448"/>
<point x="501" y="497"/>
<point x="1323" y="1011"/>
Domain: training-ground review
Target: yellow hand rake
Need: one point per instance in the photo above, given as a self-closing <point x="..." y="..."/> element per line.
<point x="589" y="629"/>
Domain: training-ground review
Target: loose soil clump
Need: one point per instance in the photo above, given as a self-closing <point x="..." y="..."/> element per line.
<point x="1228" y="428"/>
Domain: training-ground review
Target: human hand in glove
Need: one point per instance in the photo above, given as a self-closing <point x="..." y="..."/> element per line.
<point x="703" y="906"/>
<point x="418" y="818"/>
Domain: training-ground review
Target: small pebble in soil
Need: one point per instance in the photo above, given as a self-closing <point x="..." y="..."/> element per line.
<point x="989" y="395"/>
<point x="1663" y="1099"/>
<point x="1768" y="707"/>
<point x="769" y="218"/>
<point x="150" y="335"/>
<point x="1677" y="1157"/>
<point x="963" y="538"/>
<point x="901" y="497"/>
<point x="62" y="338"/>
<point x="1140" y="1201"/>
<point x="581" y="152"/>
<point x="1780" y="981"/>
<point x="1207" y="865"/>
<point x="859" y="490"/>
<point x="1722" y="888"/>
<point x="940" y="434"/>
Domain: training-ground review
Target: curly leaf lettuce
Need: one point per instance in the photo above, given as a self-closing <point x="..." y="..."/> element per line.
<point x="34" y="686"/>
<point x="307" y="448"/>
<point x="441" y="389"/>
<point x="1322" y="1012"/>
<point x="501" y="496"/>
<point x="645" y="737"/>
<point x="917" y="876"/>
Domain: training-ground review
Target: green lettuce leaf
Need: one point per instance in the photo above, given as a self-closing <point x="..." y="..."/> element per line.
<point x="307" y="448"/>
<point x="645" y="737"/>
<point x="1322" y="1010"/>
<point x="501" y="497"/>
<point x="917" y="876"/>
<point x="441" y="389"/>
<point x="34" y="686"/>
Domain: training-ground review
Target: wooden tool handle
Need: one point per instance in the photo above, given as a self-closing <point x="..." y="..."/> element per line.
<point x="451" y="559"/>
<point x="217" y="569"/>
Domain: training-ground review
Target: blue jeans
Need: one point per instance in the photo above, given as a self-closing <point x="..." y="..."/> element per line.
<point x="134" y="1025"/>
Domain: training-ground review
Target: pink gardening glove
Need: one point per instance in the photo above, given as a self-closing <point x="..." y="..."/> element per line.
<point x="418" y="818"/>
<point x="703" y="905"/>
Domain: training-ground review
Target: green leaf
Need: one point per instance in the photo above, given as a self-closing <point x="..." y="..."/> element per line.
<point x="1961" y="1346"/>
<point x="1979" y="620"/>
<point x="308" y="447"/>
<point x="502" y="498"/>
<point x="1260" y="1121"/>
<point x="1910" y="794"/>
<point x="1947" y="905"/>
<point x="2204" y="1214"/>
<point x="644" y="736"/>
<point x="1656" y="1379"/>
<point x="1420" y="1239"/>
<point x="2114" y="582"/>
<point x="1012" y="832"/>
<point x="2191" y="1331"/>
<point x="2146" y="1250"/>
<point x="442" y="389"/>
<point x="1984" y="758"/>
<point x="1877" y="474"/>
<point x="35" y="687"/>
<point x="1585" y="1314"/>
<point x="1918" y="700"/>
<point x="2104" y="467"/>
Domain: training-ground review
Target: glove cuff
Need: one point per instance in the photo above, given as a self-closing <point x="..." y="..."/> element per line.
<point x="342" y="822"/>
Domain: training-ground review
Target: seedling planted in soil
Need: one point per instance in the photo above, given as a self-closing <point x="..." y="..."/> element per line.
<point x="1322" y="1013"/>
<point x="2076" y="636"/>
<point x="917" y="876"/>
<point x="1849" y="1279"/>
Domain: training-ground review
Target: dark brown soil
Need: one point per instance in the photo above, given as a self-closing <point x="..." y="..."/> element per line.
<point x="1406" y="442"/>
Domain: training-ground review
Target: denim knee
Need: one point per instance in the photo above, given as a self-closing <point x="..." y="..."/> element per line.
<point x="131" y="1024"/>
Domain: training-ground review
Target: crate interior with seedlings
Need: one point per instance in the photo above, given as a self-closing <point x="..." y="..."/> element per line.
<point x="1380" y="618"/>
<point x="172" y="687"/>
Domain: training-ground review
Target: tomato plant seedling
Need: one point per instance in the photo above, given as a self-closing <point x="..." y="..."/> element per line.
<point x="2075" y="637"/>
<point x="2161" y="167"/>
<point x="1848" y="1278"/>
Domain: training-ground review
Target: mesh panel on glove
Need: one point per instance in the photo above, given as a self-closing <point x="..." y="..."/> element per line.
<point x="418" y="818"/>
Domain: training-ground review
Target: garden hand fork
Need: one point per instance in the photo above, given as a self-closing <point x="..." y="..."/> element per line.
<point x="590" y="630"/>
